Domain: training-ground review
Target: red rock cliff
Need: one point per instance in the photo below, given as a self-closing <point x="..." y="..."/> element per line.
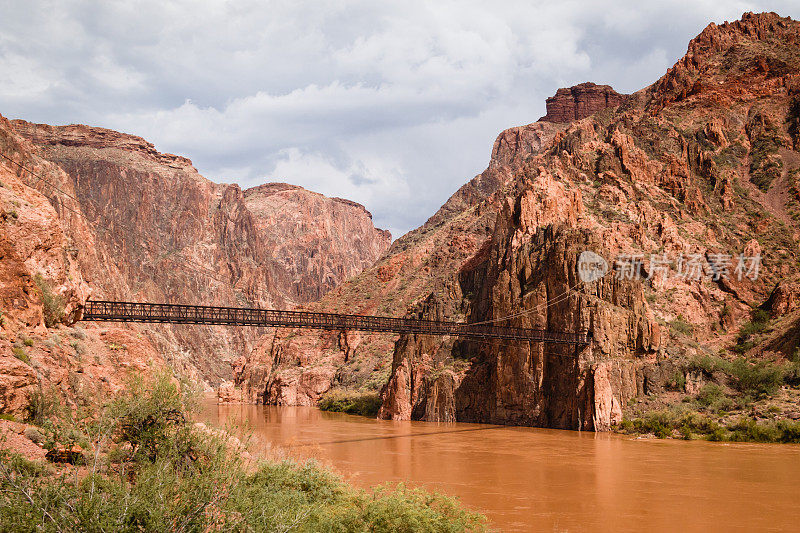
<point x="580" y="101"/>
<point x="43" y="244"/>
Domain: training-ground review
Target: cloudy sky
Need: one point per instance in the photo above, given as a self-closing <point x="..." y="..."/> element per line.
<point x="391" y="104"/>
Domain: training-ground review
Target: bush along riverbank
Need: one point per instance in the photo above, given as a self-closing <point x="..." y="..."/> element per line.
<point x="139" y="464"/>
<point x="734" y="398"/>
<point x="351" y="402"/>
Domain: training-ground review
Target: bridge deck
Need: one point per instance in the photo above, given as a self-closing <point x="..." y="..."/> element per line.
<point x="238" y="316"/>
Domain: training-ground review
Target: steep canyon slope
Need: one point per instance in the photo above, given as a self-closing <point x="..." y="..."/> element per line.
<point x="697" y="167"/>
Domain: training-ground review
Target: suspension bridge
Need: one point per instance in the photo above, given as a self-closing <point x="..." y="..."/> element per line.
<point x="114" y="311"/>
<point x="119" y="311"/>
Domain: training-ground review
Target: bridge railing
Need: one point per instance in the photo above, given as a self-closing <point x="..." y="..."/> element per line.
<point x="104" y="310"/>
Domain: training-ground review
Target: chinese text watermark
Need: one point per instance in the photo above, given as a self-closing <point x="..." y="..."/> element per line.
<point x="692" y="267"/>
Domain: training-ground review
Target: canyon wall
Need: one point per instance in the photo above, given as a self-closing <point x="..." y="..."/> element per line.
<point x="679" y="170"/>
<point x="420" y="268"/>
<point x="163" y="232"/>
<point x="43" y="243"/>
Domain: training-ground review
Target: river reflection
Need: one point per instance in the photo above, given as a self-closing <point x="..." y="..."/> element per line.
<point x="527" y="479"/>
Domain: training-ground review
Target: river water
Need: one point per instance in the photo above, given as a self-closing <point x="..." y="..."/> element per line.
<point x="528" y="479"/>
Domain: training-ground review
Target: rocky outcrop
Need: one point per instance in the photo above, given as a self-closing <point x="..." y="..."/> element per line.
<point x="784" y="299"/>
<point x="580" y="101"/>
<point x="716" y="55"/>
<point x="43" y="244"/>
<point x="162" y="232"/>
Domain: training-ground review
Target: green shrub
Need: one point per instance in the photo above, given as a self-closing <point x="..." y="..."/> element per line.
<point x="751" y="431"/>
<point x="152" y="417"/>
<point x="764" y="166"/>
<point x="753" y="327"/>
<point x="28" y="341"/>
<point x="20" y="354"/>
<point x="710" y="393"/>
<point x="708" y="364"/>
<point x="52" y="304"/>
<point x="680" y="325"/>
<point x="19" y="464"/>
<point x="742" y="347"/>
<point x="793" y="119"/>
<point x="759" y="322"/>
<point x="351" y="402"/>
<point x="665" y="422"/>
<point x="79" y="347"/>
<point x="759" y="315"/>
<point x="689" y="424"/>
<point x="712" y="397"/>
<point x="42" y="405"/>
<point x="759" y="378"/>
<point x="209" y="489"/>
<point x="791" y="373"/>
<point x="678" y="381"/>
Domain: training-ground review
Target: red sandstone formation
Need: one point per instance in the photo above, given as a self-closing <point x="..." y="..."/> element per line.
<point x="580" y="101"/>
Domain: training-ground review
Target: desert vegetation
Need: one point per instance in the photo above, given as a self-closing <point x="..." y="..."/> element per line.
<point x="749" y="399"/>
<point x="351" y="402"/>
<point x="138" y="463"/>
<point x="52" y="304"/>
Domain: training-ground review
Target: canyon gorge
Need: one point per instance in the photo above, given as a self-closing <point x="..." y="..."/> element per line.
<point x="701" y="163"/>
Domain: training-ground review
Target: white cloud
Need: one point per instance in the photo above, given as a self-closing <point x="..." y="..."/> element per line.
<point x="394" y="105"/>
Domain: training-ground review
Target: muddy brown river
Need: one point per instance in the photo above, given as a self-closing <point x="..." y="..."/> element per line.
<point x="527" y="479"/>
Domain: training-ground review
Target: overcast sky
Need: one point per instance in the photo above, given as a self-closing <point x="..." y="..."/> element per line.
<point x="391" y="104"/>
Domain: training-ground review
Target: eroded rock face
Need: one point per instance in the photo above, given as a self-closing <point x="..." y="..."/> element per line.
<point x="320" y="242"/>
<point x="580" y="101"/>
<point x="784" y="299"/>
<point x="548" y="385"/>
<point x="162" y="232"/>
